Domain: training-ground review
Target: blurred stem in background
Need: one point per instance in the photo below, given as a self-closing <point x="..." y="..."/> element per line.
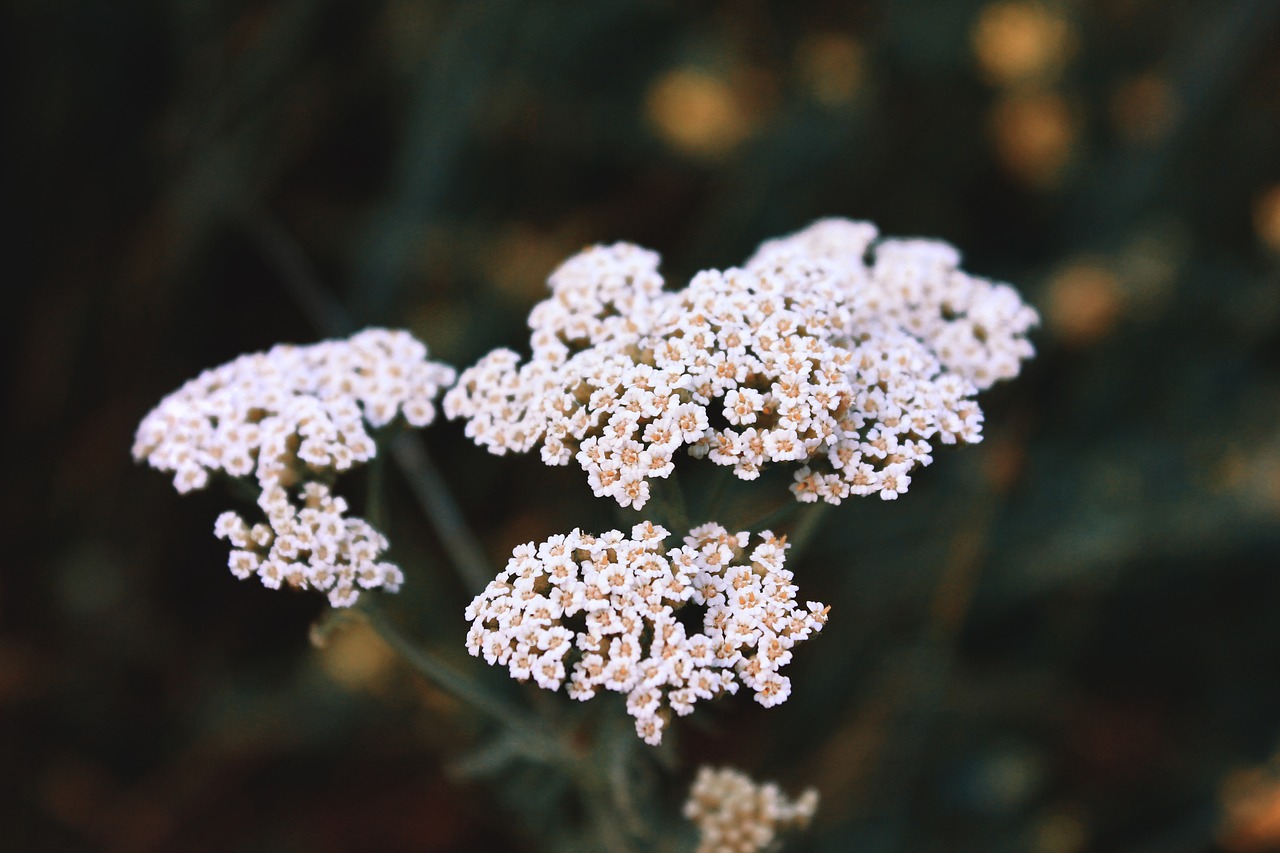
<point x="445" y="86"/>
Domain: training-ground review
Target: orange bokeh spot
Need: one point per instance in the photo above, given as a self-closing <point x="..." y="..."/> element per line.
<point x="830" y="67"/>
<point x="697" y="112"/>
<point x="1266" y="218"/>
<point x="1019" y="42"/>
<point x="1033" y="135"/>
<point x="1084" y="302"/>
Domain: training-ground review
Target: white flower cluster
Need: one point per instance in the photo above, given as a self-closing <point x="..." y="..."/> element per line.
<point x="735" y="815"/>
<point x="314" y="546"/>
<point x="293" y="409"/>
<point x="602" y="612"/>
<point x="810" y="353"/>
<point x="291" y="418"/>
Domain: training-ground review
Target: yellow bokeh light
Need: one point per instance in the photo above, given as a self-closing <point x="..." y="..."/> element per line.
<point x="1033" y="134"/>
<point x="1251" y="811"/>
<point x="697" y="112"/>
<point x="1018" y="42"/>
<point x="1084" y="303"/>
<point x="1266" y="218"/>
<point x="355" y="657"/>
<point x="830" y="67"/>
<point x="1060" y="831"/>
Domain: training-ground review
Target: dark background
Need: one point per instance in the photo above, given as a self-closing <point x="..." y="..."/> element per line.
<point x="1064" y="639"/>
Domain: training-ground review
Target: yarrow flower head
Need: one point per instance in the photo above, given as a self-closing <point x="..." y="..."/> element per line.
<point x="845" y="354"/>
<point x="737" y="815"/>
<point x="604" y="612"/>
<point x="292" y="418"/>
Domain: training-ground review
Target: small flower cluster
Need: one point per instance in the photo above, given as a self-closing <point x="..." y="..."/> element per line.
<point x="602" y="612"/>
<point x="291" y="418"/>
<point x="293" y="409"/>
<point x="736" y="815"/>
<point x="312" y="546"/>
<point x="974" y="327"/>
<point x="807" y="354"/>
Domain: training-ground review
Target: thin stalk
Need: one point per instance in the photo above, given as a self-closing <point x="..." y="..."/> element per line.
<point x="591" y="778"/>
<point x="442" y="511"/>
<point x="667" y="502"/>
<point x="604" y="820"/>
<point x="715" y="494"/>
<point x="679" y="512"/>
<point x="588" y="774"/>
<point x="620" y="742"/>
<point x="811" y="518"/>
<point x="933" y="666"/>
<point x="491" y="758"/>
<point x="375" y="493"/>
<point x="536" y="742"/>
<point x="297" y="274"/>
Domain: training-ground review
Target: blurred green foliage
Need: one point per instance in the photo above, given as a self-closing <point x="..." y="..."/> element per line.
<point x="1064" y="639"/>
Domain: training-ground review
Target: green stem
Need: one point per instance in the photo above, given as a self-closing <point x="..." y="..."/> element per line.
<point x="620" y="743"/>
<point x="297" y="274"/>
<point x="442" y="511"/>
<point x="715" y="494"/>
<point x="536" y="742"/>
<point x="596" y="778"/>
<point x="603" y="817"/>
<point x="375" y="501"/>
<point x="588" y="774"/>
<point x="811" y="519"/>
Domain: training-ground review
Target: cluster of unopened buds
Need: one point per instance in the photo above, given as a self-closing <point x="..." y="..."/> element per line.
<point x="735" y="814"/>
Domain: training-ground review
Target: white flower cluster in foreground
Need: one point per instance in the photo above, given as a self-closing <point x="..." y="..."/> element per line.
<point x="735" y="815"/>
<point x="828" y="349"/>
<point x="602" y="612"/>
<point x="291" y="418"/>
